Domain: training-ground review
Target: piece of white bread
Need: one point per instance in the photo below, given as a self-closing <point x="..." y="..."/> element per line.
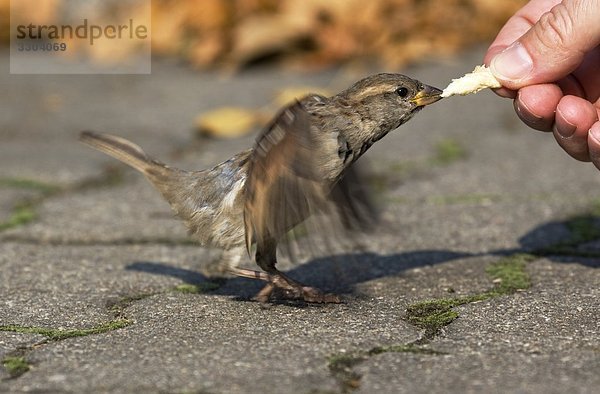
<point x="480" y="78"/>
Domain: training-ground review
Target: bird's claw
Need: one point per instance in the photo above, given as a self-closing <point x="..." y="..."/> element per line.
<point x="296" y="292"/>
<point x="311" y="294"/>
<point x="281" y="286"/>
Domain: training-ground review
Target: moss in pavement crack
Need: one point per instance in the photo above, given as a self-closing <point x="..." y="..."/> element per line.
<point x="448" y="151"/>
<point x="474" y="199"/>
<point x="21" y="214"/>
<point x="117" y="307"/>
<point x="25" y="212"/>
<point x="508" y="274"/>
<point x="28" y="184"/>
<point x="199" y="288"/>
<point x="341" y="368"/>
<point x="54" y="334"/>
<point x="15" y="365"/>
<point x="404" y="348"/>
<point x="583" y="228"/>
<point x="432" y="315"/>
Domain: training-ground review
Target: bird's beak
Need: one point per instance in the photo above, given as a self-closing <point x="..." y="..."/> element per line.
<point x="426" y="96"/>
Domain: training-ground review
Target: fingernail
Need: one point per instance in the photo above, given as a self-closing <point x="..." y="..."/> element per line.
<point x="595" y="132"/>
<point x="514" y="63"/>
<point x="563" y="127"/>
<point x="531" y="119"/>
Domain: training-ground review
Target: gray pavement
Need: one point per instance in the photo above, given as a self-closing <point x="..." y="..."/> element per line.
<point x="102" y="291"/>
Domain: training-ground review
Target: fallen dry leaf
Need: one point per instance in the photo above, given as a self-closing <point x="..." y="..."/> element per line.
<point x="227" y="122"/>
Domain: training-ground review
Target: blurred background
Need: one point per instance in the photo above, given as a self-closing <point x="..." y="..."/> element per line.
<point x="229" y="37"/>
<point x="309" y="34"/>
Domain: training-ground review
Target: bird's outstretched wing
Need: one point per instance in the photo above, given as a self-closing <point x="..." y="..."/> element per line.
<point x="292" y="175"/>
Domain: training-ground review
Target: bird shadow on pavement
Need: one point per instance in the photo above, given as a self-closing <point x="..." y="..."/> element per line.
<point x="338" y="273"/>
<point x="341" y="273"/>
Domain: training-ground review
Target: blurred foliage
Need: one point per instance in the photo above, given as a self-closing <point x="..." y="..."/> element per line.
<point x="307" y="33"/>
<point x="315" y="33"/>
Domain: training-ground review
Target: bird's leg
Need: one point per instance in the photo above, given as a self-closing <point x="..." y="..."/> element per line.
<point x="277" y="281"/>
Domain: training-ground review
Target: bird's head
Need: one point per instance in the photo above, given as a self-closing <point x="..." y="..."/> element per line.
<point x="389" y="99"/>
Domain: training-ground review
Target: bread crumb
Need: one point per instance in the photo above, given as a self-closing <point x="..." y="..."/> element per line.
<point x="480" y="78"/>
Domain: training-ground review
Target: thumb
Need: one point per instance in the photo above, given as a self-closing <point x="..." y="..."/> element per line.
<point x="554" y="46"/>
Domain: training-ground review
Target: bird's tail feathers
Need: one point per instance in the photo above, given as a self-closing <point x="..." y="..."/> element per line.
<point x="125" y="151"/>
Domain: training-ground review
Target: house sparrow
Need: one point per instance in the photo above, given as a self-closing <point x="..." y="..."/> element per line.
<point x="299" y="165"/>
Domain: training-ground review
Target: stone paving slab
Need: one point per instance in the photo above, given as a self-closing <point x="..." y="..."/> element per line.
<point x="107" y="294"/>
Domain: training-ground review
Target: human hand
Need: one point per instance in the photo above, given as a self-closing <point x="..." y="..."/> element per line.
<point x="547" y="57"/>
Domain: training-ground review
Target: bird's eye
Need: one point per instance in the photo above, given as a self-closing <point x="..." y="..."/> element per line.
<point x="402" y="92"/>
